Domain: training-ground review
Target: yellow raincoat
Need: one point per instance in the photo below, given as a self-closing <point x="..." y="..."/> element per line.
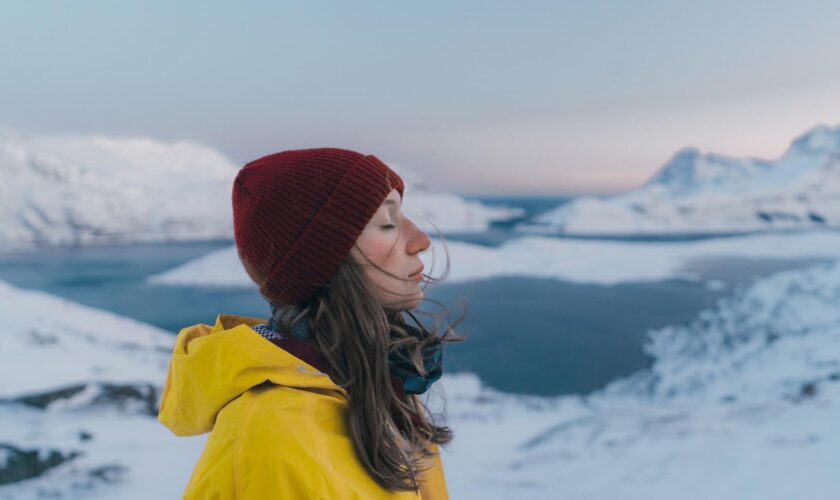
<point x="283" y="440"/>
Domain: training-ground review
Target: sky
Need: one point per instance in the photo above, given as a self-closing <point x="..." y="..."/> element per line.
<point x="478" y="97"/>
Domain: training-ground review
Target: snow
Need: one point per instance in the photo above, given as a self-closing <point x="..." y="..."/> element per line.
<point x="70" y="189"/>
<point x="73" y="189"/>
<point x="130" y="456"/>
<point x="434" y="211"/>
<point x="91" y="344"/>
<point x="740" y="403"/>
<point x="49" y="344"/>
<point x="581" y="261"/>
<point x="698" y="193"/>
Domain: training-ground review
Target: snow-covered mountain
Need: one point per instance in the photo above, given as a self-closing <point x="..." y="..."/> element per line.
<point x="711" y="193"/>
<point x="740" y="403"/>
<point x="82" y="189"/>
<point x="71" y="189"/>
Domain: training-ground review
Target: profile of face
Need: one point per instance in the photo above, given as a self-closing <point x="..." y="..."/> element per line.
<point x="388" y="249"/>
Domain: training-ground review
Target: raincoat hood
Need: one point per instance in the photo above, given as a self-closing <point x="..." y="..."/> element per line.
<point x="212" y="366"/>
<point x="276" y="423"/>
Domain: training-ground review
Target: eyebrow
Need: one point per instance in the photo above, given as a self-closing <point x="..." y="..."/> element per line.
<point x="392" y="203"/>
<point x="391" y="207"/>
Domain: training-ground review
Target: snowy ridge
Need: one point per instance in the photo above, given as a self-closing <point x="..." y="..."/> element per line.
<point x="741" y="403"/>
<point x="70" y="189"/>
<point x="711" y="193"/>
<point x="779" y="338"/>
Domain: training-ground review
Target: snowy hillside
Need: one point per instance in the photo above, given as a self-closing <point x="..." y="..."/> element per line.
<point x="79" y="390"/>
<point x="711" y="193"/>
<point x="84" y="189"/>
<point x="741" y="403"/>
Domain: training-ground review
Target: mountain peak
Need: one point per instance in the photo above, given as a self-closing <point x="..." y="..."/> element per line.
<point x="819" y="139"/>
<point x="679" y="169"/>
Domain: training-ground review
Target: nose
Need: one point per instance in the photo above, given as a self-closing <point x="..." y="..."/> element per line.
<point x="419" y="241"/>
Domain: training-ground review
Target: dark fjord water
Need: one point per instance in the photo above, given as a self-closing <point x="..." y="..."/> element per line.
<point x="526" y="335"/>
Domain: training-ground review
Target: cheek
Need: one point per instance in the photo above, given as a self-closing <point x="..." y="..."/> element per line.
<point x="378" y="246"/>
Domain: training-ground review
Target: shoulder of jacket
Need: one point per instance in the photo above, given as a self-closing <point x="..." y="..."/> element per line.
<point x="266" y="403"/>
<point x="278" y="413"/>
<point x="264" y="462"/>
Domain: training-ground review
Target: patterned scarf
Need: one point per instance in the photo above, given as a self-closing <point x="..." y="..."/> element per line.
<point x="404" y="375"/>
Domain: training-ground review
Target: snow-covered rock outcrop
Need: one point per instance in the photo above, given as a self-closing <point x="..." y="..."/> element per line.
<point x="711" y="193"/>
<point x="72" y="189"/>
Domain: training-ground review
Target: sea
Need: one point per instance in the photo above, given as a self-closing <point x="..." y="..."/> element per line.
<point x="524" y="335"/>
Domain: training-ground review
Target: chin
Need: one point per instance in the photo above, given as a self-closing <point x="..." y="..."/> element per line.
<point x="418" y="299"/>
<point x="407" y="304"/>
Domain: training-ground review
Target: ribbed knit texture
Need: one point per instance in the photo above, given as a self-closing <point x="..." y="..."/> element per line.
<point x="297" y="213"/>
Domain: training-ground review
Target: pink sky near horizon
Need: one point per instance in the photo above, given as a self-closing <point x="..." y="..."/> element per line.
<point x="477" y="97"/>
<point x="605" y="153"/>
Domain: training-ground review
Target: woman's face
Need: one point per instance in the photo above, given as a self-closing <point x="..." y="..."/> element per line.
<point x="392" y="242"/>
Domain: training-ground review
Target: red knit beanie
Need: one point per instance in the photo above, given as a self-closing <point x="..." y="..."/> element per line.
<point x="297" y="213"/>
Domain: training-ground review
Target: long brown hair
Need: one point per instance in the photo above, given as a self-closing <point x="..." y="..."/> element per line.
<point x="355" y="333"/>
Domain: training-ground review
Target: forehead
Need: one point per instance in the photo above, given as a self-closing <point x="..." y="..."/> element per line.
<point x="392" y="200"/>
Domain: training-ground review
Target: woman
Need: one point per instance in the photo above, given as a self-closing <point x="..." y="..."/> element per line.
<point x="322" y="400"/>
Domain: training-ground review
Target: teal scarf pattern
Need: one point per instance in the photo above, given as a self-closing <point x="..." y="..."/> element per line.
<point x="399" y="361"/>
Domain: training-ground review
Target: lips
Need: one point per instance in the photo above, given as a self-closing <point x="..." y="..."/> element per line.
<point x="419" y="270"/>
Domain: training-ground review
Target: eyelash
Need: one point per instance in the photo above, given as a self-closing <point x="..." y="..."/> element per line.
<point x="389" y="226"/>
